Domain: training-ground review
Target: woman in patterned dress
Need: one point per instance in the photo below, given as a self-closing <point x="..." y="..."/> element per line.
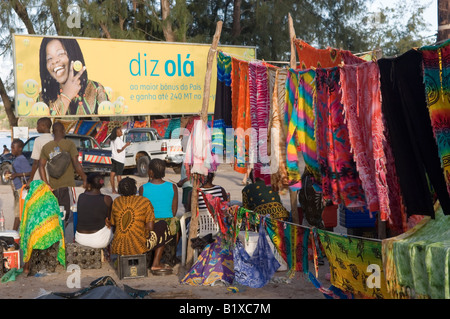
<point x="135" y="229"/>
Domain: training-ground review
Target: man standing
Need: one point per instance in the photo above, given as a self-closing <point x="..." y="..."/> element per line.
<point x="43" y="127"/>
<point x="61" y="186"/>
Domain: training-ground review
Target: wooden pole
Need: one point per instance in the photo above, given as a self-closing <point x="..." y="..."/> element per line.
<point x="293" y="194"/>
<point x="193" y="227"/>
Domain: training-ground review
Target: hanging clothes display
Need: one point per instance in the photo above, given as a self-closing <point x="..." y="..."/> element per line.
<point x="278" y="133"/>
<point x="223" y="105"/>
<point x="259" y="113"/>
<point x="84" y="127"/>
<point x="361" y="99"/>
<point x="198" y="156"/>
<point x="160" y="125"/>
<point x="352" y="261"/>
<point x="410" y="134"/>
<point x="309" y="56"/>
<point x="340" y="179"/>
<point x="241" y="111"/>
<point x="436" y="64"/>
<point x="299" y="117"/>
<point x="173" y="129"/>
<point x="291" y="242"/>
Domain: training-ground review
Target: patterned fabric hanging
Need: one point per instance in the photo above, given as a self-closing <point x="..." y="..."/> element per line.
<point x="352" y="261"/>
<point x="340" y="180"/>
<point x="291" y="242"/>
<point x="436" y="64"/>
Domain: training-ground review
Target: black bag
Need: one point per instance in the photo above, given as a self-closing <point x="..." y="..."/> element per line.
<point x="58" y="164"/>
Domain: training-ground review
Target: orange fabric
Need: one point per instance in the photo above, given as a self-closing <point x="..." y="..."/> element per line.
<point x="309" y="56"/>
<point x="240" y="95"/>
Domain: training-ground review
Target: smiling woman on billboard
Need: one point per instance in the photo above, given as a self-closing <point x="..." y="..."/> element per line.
<point x="66" y="88"/>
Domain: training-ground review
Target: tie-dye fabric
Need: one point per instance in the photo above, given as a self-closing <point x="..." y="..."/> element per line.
<point x="241" y="109"/>
<point x="351" y="262"/>
<point x="259" y="112"/>
<point x="361" y="99"/>
<point x="291" y="242"/>
<point x="436" y="64"/>
<point x="300" y="96"/>
<point x="340" y="180"/>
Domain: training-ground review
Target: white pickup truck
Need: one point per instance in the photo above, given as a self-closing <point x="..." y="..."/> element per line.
<point x="147" y="144"/>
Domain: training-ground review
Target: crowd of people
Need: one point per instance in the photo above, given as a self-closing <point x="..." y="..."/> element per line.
<point x="139" y="220"/>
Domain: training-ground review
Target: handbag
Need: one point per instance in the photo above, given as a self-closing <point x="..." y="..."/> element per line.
<point x="58" y="164"/>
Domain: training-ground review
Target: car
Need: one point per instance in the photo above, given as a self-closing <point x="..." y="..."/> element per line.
<point x="91" y="156"/>
<point x="147" y="144"/>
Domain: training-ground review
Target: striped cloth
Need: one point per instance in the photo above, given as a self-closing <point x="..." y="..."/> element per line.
<point x="41" y="225"/>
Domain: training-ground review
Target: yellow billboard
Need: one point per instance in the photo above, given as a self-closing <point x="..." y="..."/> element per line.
<point x="79" y="77"/>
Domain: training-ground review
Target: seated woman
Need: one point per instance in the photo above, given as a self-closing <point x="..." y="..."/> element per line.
<point x="163" y="195"/>
<point x="93" y="228"/>
<point x="209" y="188"/>
<point x="263" y="200"/>
<point x="135" y="229"/>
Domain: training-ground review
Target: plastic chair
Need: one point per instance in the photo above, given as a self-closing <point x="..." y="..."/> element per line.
<point x="206" y="225"/>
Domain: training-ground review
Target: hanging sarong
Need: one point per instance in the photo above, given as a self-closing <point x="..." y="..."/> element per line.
<point x="243" y="119"/>
<point x="291" y="242"/>
<point x="41" y="224"/>
<point x="309" y="56"/>
<point x="436" y="64"/>
<point x="84" y="127"/>
<point x="259" y="112"/>
<point x="352" y="261"/>
<point x="160" y="125"/>
<point x="300" y="113"/>
<point x="340" y="180"/>
<point x="173" y="130"/>
<point x="277" y="133"/>
<point x="361" y="99"/>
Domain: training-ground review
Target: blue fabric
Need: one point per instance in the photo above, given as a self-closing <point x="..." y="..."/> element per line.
<point x="161" y="197"/>
<point x="257" y="270"/>
<point x="20" y="165"/>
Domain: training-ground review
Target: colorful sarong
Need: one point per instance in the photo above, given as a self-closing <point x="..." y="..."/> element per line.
<point x="352" y="264"/>
<point x="291" y="242"/>
<point x="300" y="98"/>
<point x="361" y="99"/>
<point x="85" y="127"/>
<point x="259" y="112"/>
<point x="309" y="56"/>
<point x="215" y="263"/>
<point x="160" y="125"/>
<point x="277" y="133"/>
<point x="241" y="103"/>
<point x="41" y="224"/>
<point x="173" y="130"/>
<point x="340" y="180"/>
<point x="436" y="64"/>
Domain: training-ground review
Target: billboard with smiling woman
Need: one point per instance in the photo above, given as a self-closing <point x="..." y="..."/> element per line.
<point x="67" y="76"/>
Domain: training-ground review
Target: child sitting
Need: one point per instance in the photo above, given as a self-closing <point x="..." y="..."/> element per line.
<point x="21" y="172"/>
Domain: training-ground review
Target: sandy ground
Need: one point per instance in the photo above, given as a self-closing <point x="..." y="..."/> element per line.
<point x="165" y="287"/>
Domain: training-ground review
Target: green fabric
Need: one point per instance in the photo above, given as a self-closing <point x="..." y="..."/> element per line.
<point x="41" y="225"/>
<point x="422" y="259"/>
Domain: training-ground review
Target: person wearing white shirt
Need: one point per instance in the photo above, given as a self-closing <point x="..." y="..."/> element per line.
<point x="43" y="127"/>
<point x="117" y="157"/>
